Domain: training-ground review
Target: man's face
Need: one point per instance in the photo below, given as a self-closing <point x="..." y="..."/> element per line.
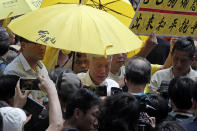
<point x="194" y="64"/>
<point x="81" y="64"/>
<point x="34" y="51"/>
<point x="99" y="69"/>
<point x="119" y="59"/>
<point x="89" y="121"/>
<point x="181" y="63"/>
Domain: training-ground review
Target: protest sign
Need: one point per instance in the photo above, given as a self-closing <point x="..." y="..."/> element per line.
<point x="166" y="17"/>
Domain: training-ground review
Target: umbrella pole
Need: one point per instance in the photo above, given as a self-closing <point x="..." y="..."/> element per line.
<point x="73" y="61"/>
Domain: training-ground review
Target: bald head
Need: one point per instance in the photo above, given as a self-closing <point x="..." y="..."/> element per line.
<point x="138" y="70"/>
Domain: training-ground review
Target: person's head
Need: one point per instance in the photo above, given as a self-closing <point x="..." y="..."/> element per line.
<point x="56" y="73"/>
<point x="7" y="87"/>
<point x="13" y="118"/>
<point x="11" y="55"/>
<point x="118" y="60"/>
<point x="194" y="64"/>
<point x="182" y="56"/>
<point x="32" y="50"/>
<point x="1" y="123"/>
<point x="119" y="113"/>
<point x="67" y="84"/>
<point x="161" y="106"/>
<point x="99" y="67"/>
<point x="180" y="92"/>
<point x="82" y="108"/>
<point x="3" y="104"/>
<point x="81" y="63"/>
<point x="137" y="71"/>
<point x="194" y="98"/>
<point x="135" y="3"/>
<point x="4" y="41"/>
<point x="169" y="126"/>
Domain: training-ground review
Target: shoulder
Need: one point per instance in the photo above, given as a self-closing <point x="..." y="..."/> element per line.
<point x="155" y="68"/>
<point x="112" y="83"/>
<point x="81" y="75"/>
<point x="162" y="72"/>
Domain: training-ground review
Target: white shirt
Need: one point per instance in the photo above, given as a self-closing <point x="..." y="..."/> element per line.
<point x="86" y="80"/>
<point x="167" y="75"/>
<point x="115" y="77"/>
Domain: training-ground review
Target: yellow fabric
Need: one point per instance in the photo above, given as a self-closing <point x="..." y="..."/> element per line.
<point x="50" y="61"/>
<point x="76" y="28"/>
<point x="133" y="53"/>
<point x="121" y="9"/>
<point x="51" y="57"/>
<point x="18" y="7"/>
<point x="155" y="68"/>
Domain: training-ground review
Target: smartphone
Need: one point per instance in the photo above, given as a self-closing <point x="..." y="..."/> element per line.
<point x="33" y="107"/>
<point x="29" y="84"/>
<point x="98" y="90"/>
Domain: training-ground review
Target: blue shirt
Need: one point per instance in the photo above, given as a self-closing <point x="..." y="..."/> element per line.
<point x="191" y="126"/>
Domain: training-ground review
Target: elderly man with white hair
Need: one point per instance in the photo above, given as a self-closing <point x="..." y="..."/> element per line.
<point x="97" y="75"/>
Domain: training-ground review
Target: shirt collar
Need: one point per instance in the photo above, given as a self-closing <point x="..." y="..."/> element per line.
<point x="172" y="74"/>
<point x="26" y="65"/>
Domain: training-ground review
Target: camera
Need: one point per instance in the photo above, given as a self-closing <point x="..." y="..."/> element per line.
<point x="29" y="84"/>
<point x="163" y="90"/>
<point x="98" y="90"/>
<point x="144" y="123"/>
<point x="115" y="91"/>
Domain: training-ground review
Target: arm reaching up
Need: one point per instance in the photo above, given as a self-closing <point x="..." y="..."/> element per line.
<point x="55" y="113"/>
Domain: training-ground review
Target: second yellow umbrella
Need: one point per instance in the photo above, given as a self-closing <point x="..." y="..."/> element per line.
<point x="121" y="9"/>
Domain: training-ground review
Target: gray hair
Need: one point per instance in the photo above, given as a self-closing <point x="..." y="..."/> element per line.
<point x="91" y="56"/>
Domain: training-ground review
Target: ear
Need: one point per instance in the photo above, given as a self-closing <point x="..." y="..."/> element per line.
<point x="125" y="80"/>
<point x="77" y="113"/>
<point x="194" y="104"/>
<point x="23" y="45"/>
<point x="193" y="59"/>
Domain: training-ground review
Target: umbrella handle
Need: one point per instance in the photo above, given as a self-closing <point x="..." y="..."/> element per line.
<point x="83" y="2"/>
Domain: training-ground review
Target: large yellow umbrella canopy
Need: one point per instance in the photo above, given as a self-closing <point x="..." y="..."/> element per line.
<point x="77" y="28"/>
<point x="18" y="7"/>
<point x="121" y="9"/>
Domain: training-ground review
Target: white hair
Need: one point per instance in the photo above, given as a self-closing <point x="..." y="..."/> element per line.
<point x="91" y="56"/>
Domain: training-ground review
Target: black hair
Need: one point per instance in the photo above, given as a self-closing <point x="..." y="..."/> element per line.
<point x="185" y="44"/>
<point x="21" y="39"/>
<point x="119" y="113"/>
<point x="161" y="106"/>
<point x="7" y="86"/>
<point x="169" y="126"/>
<point x="1" y="122"/>
<point x="194" y="92"/>
<point x="83" y="99"/>
<point x="180" y="92"/>
<point x="138" y="70"/>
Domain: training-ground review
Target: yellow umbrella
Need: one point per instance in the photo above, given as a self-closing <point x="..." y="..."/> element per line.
<point x="18" y="7"/>
<point x="77" y="28"/>
<point x="121" y="9"/>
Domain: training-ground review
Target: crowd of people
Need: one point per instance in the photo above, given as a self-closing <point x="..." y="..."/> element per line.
<point x="74" y="91"/>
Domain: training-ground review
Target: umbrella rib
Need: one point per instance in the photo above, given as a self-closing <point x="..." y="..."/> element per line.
<point x="103" y="7"/>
